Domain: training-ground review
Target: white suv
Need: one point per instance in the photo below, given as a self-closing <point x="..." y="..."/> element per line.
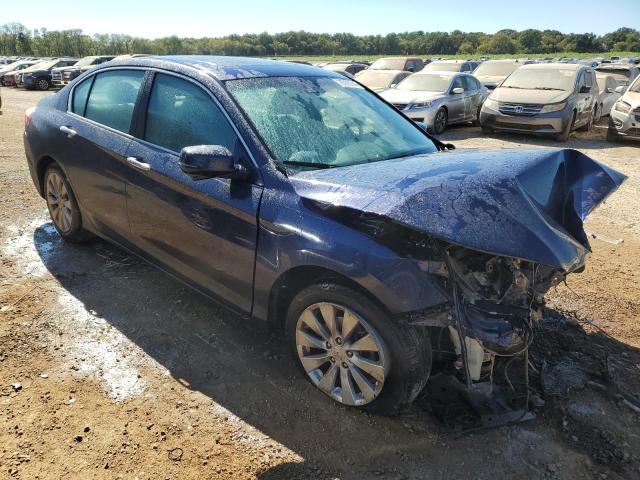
<point x="625" y="114"/>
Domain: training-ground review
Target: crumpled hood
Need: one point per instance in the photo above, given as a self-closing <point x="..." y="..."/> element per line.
<point x="515" y="95"/>
<point x="407" y="96"/>
<point x="528" y="204"/>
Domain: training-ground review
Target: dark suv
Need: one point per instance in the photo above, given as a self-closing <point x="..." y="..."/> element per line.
<point x="294" y="195"/>
<point x="40" y="78"/>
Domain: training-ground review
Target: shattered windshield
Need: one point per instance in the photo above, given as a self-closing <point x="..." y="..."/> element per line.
<point x="326" y="122"/>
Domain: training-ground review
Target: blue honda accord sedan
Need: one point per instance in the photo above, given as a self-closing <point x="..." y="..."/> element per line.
<point x="294" y="195"/>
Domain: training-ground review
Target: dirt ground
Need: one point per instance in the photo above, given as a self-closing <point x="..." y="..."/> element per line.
<point x="110" y="369"/>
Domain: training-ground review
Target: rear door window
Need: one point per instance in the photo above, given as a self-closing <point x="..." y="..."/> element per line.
<point x="181" y="114"/>
<point x="113" y="98"/>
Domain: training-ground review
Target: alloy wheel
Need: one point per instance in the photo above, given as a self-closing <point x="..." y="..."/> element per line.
<point x="341" y="353"/>
<point x="58" y="202"/>
<point x="42" y="85"/>
<point x="440" y="121"/>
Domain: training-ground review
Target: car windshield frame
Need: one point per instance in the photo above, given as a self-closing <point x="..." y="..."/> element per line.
<point x="354" y="127"/>
<point x="561" y="79"/>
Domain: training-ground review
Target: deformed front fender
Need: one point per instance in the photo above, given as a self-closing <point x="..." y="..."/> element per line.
<point x="292" y="235"/>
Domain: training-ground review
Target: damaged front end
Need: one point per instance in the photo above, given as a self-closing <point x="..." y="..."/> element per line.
<point x="496" y="229"/>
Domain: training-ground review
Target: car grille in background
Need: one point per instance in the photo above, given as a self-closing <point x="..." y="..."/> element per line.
<point x="524" y="110"/>
<point x="400" y="106"/>
<point x="56" y="76"/>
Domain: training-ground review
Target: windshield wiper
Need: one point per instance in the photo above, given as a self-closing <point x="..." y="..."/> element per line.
<point x="548" y="88"/>
<point x="511" y="86"/>
<point x="308" y="164"/>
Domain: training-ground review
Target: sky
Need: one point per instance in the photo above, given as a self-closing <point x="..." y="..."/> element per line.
<point x="211" y="18"/>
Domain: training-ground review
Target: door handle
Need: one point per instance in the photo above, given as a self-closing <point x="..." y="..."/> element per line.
<point x="139" y="164"/>
<point x="68" y="131"/>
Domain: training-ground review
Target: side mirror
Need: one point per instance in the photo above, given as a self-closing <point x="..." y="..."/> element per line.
<point x="620" y="89"/>
<point x="585" y="89"/>
<point x="410" y="69"/>
<point x="457" y="91"/>
<point x="209" y="161"/>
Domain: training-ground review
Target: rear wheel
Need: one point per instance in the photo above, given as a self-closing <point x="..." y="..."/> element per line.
<point x="353" y="352"/>
<point x="63" y="207"/>
<point x="440" y="121"/>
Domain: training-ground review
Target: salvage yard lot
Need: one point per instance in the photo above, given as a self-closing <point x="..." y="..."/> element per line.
<point x="109" y="368"/>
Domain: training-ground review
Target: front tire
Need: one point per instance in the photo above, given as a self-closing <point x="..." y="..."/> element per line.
<point x="42" y="84"/>
<point x="564" y="136"/>
<point x="63" y="207"/>
<point x="352" y="351"/>
<point x="440" y="121"/>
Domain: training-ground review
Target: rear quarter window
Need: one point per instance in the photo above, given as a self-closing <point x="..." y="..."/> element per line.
<point x="113" y="98"/>
<point x="80" y="94"/>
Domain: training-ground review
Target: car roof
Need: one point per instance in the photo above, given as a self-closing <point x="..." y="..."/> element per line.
<point x="450" y="61"/>
<point x="616" y="66"/>
<point x="228" y="68"/>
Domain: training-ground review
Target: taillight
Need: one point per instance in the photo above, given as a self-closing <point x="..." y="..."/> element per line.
<point x="27" y="116"/>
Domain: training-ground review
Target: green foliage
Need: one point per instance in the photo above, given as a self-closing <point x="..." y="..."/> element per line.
<point x="16" y="39"/>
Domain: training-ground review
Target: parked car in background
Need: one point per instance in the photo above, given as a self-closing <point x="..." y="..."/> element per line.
<point x="548" y="98"/>
<point x="624" y="119"/>
<point x="623" y="73"/>
<point x="12" y="68"/>
<point x="38" y="77"/>
<point x="379" y="80"/>
<point x="492" y="72"/>
<point x="409" y="64"/>
<point x="438" y="98"/>
<point x="292" y="196"/>
<point x="590" y="63"/>
<point x="608" y="94"/>
<point x="346" y="67"/>
<point x="60" y="76"/>
<point x="451" y="66"/>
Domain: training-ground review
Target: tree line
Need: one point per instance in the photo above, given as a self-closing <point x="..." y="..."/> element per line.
<point x="16" y="39"/>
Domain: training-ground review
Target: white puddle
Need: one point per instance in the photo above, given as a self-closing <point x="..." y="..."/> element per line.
<point x="20" y="245"/>
<point x="91" y="347"/>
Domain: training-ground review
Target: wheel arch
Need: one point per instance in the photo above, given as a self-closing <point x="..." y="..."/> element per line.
<point x="294" y="280"/>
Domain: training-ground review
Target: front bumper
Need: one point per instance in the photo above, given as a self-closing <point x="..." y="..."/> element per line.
<point x="543" y="123"/>
<point x="425" y="115"/>
<point x="627" y="124"/>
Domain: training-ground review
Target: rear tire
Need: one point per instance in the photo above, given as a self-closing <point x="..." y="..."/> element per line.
<point x="405" y="351"/>
<point x="63" y="207"/>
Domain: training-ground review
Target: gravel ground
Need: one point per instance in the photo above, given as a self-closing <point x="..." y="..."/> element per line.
<point x="111" y="369"/>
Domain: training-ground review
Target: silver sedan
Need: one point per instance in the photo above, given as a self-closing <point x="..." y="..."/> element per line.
<point x="438" y="98"/>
